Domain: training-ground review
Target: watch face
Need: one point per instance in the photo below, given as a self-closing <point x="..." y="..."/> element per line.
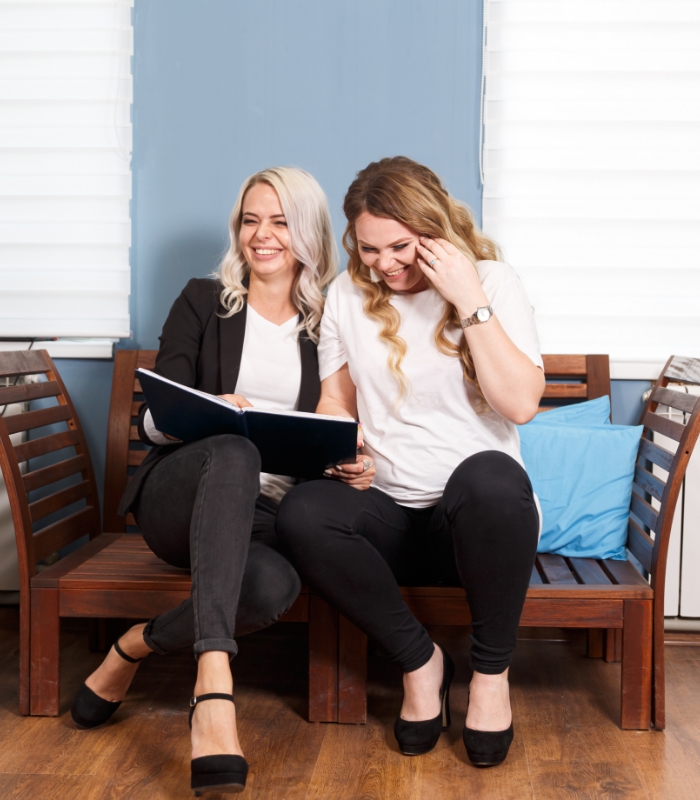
<point x="483" y="314"/>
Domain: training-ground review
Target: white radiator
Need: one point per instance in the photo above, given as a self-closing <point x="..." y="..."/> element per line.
<point x="682" y="599"/>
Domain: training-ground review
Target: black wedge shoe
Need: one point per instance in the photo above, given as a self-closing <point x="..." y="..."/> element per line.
<point x="416" y="738"/>
<point x="221" y="773"/>
<point x="89" y="709"/>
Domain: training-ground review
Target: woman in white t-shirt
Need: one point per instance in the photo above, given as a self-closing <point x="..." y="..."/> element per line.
<point x="248" y="335"/>
<point x="429" y="340"/>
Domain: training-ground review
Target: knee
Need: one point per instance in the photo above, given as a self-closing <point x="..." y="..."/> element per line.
<point x="298" y="515"/>
<point x="490" y="480"/>
<point x="232" y="452"/>
<point x="270" y="587"/>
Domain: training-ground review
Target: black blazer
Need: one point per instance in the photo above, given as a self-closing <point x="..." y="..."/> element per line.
<point x="202" y="349"/>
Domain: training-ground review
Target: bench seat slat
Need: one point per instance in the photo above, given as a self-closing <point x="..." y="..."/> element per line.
<point x="589" y="571"/>
<point x="623" y="573"/>
<point x="555" y="569"/>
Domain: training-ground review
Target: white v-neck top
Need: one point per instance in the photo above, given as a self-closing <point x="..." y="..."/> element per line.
<point x="418" y="442"/>
<point x="269" y="377"/>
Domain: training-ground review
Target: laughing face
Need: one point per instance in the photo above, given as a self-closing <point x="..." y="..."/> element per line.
<point x="388" y="248"/>
<point x="264" y="236"/>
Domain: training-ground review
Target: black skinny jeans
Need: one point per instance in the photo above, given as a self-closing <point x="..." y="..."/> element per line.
<point x="356" y="548"/>
<point x="199" y="509"/>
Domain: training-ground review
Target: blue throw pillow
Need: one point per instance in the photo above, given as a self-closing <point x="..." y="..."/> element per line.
<point x="591" y="412"/>
<point x="582" y="476"/>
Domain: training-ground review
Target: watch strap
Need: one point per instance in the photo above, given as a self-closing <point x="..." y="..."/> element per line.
<point x="474" y="319"/>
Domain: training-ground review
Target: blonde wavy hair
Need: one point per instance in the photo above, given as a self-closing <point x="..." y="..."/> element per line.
<point x="311" y="241"/>
<point x="401" y="189"/>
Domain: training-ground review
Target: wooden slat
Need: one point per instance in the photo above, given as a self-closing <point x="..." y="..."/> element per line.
<point x="641" y="544"/>
<point x="134" y="434"/>
<point x="649" y="482"/>
<point x="53" y="473"/>
<point x="49" y="577"/>
<point x="674" y="430"/>
<point x="136" y="457"/>
<point x="588" y="571"/>
<point x="130" y="520"/>
<point x="46" y="444"/>
<point x="656" y="454"/>
<point x="644" y="511"/>
<point x="623" y="573"/>
<point x="53" y="537"/>
<point x="685" y="370"/>
<point x="555" y="569"/>
<point x="564" y="366"/>
<point x="58" y="500"/>
<point x="670" y="397"/>
<point x="535" y="578"/>
<point x="24" y="392"/>
<point x="565" y="390"/>
<point x="23" y="362"/>
<point x="139" y="603"/>
<point x="37" y="419"/>
<point x="556" y="613"/>
<point x="146" y="359"/>
<point x="137" y="387"/>
<point x="135" y="406"/>
<point x="598" y="375"/>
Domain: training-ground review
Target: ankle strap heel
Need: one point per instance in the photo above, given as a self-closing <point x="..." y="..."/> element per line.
<point x="219" y="773"/>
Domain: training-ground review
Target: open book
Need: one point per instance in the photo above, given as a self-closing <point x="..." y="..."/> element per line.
<point x="293" y="443"/>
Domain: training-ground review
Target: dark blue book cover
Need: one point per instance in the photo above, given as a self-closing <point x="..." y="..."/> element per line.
<point x="292" y="443"/>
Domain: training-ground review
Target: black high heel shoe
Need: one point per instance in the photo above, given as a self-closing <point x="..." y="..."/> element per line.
<point x="487" y="748"/>
<point x="416" y="738"/>
<point x="220" y="773"/>
<point x="89" y="709"/>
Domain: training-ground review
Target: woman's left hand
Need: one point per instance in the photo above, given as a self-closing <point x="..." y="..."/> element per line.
<point x="358" y="475"/>
<point x="452" y="274"/>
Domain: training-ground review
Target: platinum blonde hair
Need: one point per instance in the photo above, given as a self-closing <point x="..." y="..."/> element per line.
<point x="311" y="241"/>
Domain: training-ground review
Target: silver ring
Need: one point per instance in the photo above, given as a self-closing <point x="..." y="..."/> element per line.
<point x="366" y="464"/>
<point x="432" y="262"/>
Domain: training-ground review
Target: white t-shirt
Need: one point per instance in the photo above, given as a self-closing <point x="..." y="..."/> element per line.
<point x="269" y="377"/>
<point x="416" y="447"/>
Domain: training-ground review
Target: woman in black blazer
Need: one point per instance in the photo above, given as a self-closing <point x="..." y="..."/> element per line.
<point x="248" y="335"/>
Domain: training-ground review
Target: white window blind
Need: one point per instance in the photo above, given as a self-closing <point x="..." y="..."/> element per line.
<point x="592" y="169"/>
<point x="65" y="177"/>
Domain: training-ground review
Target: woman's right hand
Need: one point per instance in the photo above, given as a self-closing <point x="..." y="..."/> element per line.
<point x="236" y="400"/>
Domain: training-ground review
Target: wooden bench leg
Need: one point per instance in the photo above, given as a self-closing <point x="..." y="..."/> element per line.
<point x="323" y="661"/>
<point x="636" y="665"/>
<point x="352" y="673"/>
<point x="659" y="691"/>
<point x="613" y="645"/>
<point x="44" y="653"/>
<point x="595" y="645"/>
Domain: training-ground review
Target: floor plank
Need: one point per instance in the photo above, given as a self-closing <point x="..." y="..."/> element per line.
<point x="565" y="706"/>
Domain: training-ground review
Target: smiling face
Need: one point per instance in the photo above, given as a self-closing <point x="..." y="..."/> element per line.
<point x="264" y="236"/>
<point x="388" y="248"/>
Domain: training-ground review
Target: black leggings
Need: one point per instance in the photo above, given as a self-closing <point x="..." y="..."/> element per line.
<point x="356" y="548"/>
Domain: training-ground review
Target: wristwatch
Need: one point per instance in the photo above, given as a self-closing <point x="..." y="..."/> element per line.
<point x="482" y="314"/>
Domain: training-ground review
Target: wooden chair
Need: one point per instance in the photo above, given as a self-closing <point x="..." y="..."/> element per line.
<point x="586" y="593"/>
<point x="112" y="574"/>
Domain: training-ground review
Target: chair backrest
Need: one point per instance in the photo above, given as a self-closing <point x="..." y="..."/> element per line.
<point x="125" y="452"/>
<point x="649" y="528"/>
<point x="31" y="467"/>
<point x="581" y="378"/>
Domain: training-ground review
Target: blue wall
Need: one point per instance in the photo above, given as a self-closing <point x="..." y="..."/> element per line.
<point x="223" y="89"/>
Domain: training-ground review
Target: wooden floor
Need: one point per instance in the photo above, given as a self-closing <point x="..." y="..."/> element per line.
<point x="567" y="743"/>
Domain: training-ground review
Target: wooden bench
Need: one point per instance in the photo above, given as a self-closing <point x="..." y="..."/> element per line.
<point x="607" y="597"/>
<point x="114" y="574"/>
